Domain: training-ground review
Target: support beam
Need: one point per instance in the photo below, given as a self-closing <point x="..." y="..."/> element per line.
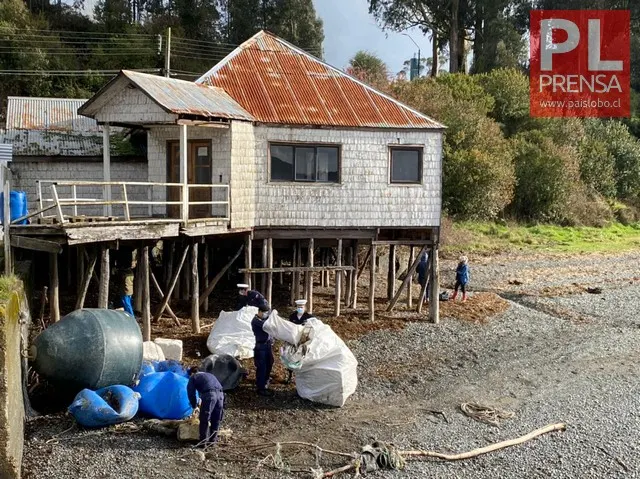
<point x="407" y="279"/>
<point x="185" y="286"/>
<point x="195" y="290"/>
<point x="338" y="278"/>
<point x="146" y="294"/>
<point x="434" y="299"/>
<point x="248" y="245"/>
<point x="423" y="289"/>
<point x="172" y="285"/>
<point x="138" y="283"/>
<point x="310" y="278"/>
<point x="184" y="179"/>
<point x="106" y="165"/>
<point x="354" y="276"/>
<point x="156" y="285"/>
<point x="294" y="276"/>
<point x="372" y="284"/>
<point x="265" y="260"/>
<point x="269" y="289"/>
<point x="410" y="283"/>
<point x="168" y="253"/>
<point x="207" y="291"/>
<point x="365" y="262"/>
<point x="103" y="293"/>
<point x="205" y="274"/>
<point x="86" y="280"/>
<point x="79" y="270"/>
<point x="391" y="276"/>
<point x="54" y="289"/>
<point x="347" y="276"/>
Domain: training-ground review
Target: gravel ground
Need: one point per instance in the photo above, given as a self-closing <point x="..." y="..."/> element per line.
<point x="558" y="354"/>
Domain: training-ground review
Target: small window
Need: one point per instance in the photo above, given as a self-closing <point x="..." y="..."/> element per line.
<point x="406" y="165"/>
<point x="305" y="163"/>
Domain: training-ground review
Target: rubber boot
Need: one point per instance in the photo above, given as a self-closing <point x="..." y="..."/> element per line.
<point x="455" y="294"/>
<point x="464" y="297"/>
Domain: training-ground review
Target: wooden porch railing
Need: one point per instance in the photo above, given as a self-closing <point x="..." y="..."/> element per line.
<point x="50" y="198"/>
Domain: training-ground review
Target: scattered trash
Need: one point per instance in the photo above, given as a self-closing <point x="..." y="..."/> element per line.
<point x="594" y="290"/>
<point x="164" y="395"/>
<point x="227" y="369"/>
<point x="232" y="334"/>
<point x="152" y="352"/>
<point x="486" y="414"/>
<point x="172" y="348"/>
<point x="89" y="349"/>
<point x="515" y="282"/>
<point x="444" y="296"/>
<point x="104" y="407"/>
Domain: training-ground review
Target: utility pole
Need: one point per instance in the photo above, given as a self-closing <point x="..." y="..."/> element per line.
<point x="167" y="54"/>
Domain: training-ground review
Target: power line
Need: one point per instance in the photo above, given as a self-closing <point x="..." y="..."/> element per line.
<point x="97" y="34"/>
<point x="70" y="73"/>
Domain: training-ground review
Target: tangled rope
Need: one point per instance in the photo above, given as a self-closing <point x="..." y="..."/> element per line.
<point x="379" y="455"/>
<point x="486" y="414"/>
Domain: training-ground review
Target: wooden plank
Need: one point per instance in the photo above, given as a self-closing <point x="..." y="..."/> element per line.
<point x="338" y="280"/>
<point x="407" y="278"/>
<point x="86" y="280"/>
<point x="391" y="276"/>
<point x="205" y="230"/>
<point x="296" y="274"/>
<point x="434" y="299"/>
<point x="207" y="291"/>
<point x="248" y="245"/>
<point x="54" y="288"/>
<point x="103" y="292"/>
<point x="316" y="234"/>
<point x="174" y="280"/>
<point x="401" y="242"/>
<point x="354" y="276"/>
<point x="269" y="289"/>
<point x="299" y="269"/>
<point x="205" y="273"/>
<point x="410" y="283"/>
<point x="195" y="288"/>
<point x="265" y="254"/>
<point x="156" y="285"/>
<point x="146" y="295"/>
<point x="310" y="277"/>
<point x="168" y="253"/>
<point x="79" y="270"/>
<point x="35" y="244"/>
<point x="347" y="276"/>
<point x="365" y="262"/>
<point x="100" y="233"/>
<point x="372" y="284"/>
<point x="423" y="289"/>
<point x="138" y="283"/>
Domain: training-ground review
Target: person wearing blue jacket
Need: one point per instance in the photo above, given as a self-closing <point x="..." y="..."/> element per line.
<point x="262" y="352"/>
<point x="462" y="278"/>
<point x="211" y="403"/>
<point x="249" y="297"/>
<point x="422" y="273"/>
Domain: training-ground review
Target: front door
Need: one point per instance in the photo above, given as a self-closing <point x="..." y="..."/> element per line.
<point x="198" y="173"/>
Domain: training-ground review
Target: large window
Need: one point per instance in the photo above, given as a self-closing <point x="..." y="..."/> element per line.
<point x="406" y="165"/>
<point x="305" y="163"/>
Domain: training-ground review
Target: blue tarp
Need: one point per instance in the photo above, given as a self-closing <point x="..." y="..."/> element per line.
<point x="104" y="407"/>
<point x="164" y="395"/>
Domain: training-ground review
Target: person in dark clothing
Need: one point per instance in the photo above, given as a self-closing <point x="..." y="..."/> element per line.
<point x="462" y="278"/>
<point x="211" y="403"/>
<point x="422" y="273"/>
<point x="249" y="297"/>
<point x="299" y="317"/>
<point x="262" y="353"/>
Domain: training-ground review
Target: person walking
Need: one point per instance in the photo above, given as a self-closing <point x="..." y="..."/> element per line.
<point x="211" y="403"/>
<point x="462" y="278"/>
<point x="262" y="352"/>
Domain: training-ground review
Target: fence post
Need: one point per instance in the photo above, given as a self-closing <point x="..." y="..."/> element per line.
<point x="54" y="192"/>
<point x="126" y="202"/>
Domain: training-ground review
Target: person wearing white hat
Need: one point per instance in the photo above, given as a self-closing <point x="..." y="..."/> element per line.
<point x="249" y="297"/>
<point x="300" y="316"/>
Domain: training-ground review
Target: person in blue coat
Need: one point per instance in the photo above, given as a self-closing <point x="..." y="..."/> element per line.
<point x="249" y="297"/>
<point x="211" y="403"/>
<point x="422" y="273"/>
<point x="462" y="278"/>
<point x="262" y="352"/>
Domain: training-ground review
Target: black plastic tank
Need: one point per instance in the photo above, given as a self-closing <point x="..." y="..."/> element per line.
<point x="89" y="348"/>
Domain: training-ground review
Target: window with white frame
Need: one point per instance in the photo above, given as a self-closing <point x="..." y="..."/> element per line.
<point x="406" y="165"/>
<point x="305" y="163"/>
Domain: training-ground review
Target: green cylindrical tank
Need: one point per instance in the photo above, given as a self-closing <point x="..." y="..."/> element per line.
<point x="90" y="348"/>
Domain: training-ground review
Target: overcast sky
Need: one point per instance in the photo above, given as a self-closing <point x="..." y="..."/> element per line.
<point x="348" y="27"/>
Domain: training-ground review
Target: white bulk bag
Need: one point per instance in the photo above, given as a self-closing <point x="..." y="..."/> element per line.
<point x="232" y="333"/>
<point x="282" y="329"/>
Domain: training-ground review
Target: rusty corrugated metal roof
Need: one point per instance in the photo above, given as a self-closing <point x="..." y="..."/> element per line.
<point x="51" y="114"/>
<point x="188" y="98"/>
<point x="277" y="82"/>
<point x="51" y="143"/>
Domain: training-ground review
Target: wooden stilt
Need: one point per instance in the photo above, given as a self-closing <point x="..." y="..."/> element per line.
<point x="391" y="277"/>
<point x="407" y="278"/>
<point x="205" y="274"/>
<point x="146" y="294"/>
<point x="195" y="291"/>
<point x="54" y="289"/>
<point x="86" y="281"/>
<point x="281" y="274"/>
<point x="423" y="289"/>
<point x="185" y="290"/>
<point x="269" y="288"/>
<point x="310" y="278"/>
<point x="103" y="294"/>
<point x="434" y="299"/>
<point x="323" y="262"/>
<point x="347" y="277"/>
<point x="138" y="283"/>
<point x="156" y="285"/>
<point x="410" y="283"/>
<point x="265" y="260"/>
<point x="248" y="246"/>
<point x="338" y="278"/>
<point x="67" y="259"/>
<point x="178" y="285"/>
<point x="168" y="260"/>
<point x="298" y="276"/>
<point x="354" y="276"/>
<point x="172" y="285"/>
<point x="372" y="284"/>
<point x="364" y="263"/>
<point x="294" y="276"/>
<point x="80" y="267"/>
<point x="212" y="284"/>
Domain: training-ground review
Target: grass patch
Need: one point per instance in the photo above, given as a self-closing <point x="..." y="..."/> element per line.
<point x="490" y="238"/>
<point x="8" y="284"/>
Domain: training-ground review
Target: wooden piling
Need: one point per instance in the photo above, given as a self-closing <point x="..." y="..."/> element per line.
<point x="434" y="298"/>
<point x="172" y="285"/>
<point x="338" y="278"/>
<point x="354" y="276"/>
<point x="248" y="246"/>
<point x="310" y="277"/>
<point x="347" y="277"/>
<point x="138" y="282"/>
<point x="80" y="267"/>
<point x="372" y="284"/>
<point x="407" y="279"/>
<point x="410" y="283"/>
<point x="86" y="280"/>
<point x="103" y="293"/>
<point x="294" y="276"/>
<point x="195" y="290"/>
<point x="54" y="288"/>
<point x="269" y="288"/>
<point x="214" y="281"/>
<point x="391" y="276"/>
<point x="146" y="293"/>
<point x="205" y="274"/>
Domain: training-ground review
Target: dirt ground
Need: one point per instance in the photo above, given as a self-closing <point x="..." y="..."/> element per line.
<point x="531" y="339"/>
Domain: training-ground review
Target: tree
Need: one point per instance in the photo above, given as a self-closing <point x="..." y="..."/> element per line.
<point x="370" y="69"/>
<point x="509" y="89"/>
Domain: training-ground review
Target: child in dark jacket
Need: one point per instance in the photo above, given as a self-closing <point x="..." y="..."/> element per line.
<point x="462" y="278"/>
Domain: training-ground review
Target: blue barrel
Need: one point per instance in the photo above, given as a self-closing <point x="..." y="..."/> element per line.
<point x="89" y="348"/>
<point x="17" y="206"/>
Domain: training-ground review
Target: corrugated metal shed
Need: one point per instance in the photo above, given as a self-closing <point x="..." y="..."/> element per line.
<point x="52" y="143"/>
<point x="51" y="114"/>
<point x="5" y="152"/>
<point x="277" y="82"/>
